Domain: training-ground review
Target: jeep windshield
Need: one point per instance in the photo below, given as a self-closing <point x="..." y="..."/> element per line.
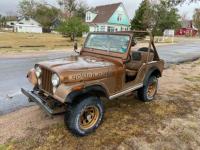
<point x="108" y="42"/>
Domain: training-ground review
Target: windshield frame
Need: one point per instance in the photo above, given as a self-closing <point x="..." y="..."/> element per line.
<point x="108" y="53"/>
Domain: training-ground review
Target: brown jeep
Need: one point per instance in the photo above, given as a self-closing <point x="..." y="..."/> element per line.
<point x="108" y="66"/>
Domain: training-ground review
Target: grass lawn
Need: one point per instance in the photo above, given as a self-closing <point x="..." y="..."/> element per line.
<point x="21" y="42"/>
<point x="17" y="42"/>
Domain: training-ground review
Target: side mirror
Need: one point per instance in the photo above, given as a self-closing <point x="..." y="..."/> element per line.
<point x="133" y="42"/>
<point x="76" y="47"/>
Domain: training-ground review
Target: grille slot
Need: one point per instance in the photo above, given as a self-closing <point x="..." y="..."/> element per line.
<point x="46" y="81"/>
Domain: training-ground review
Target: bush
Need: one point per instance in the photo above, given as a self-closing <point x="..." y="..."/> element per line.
<point x="73" y="27"/>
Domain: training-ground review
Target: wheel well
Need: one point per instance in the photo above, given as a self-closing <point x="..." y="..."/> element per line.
<point x="153" y="71"/>
<point x="94" y="90"/>
<point x="156" y="73"/>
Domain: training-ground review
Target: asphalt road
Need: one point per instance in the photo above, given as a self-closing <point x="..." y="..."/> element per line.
<point x="13" y="71"/>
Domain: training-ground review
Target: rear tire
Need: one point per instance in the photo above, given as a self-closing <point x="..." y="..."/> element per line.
<point x="149" y="90"/>
<point x="85" y="116"/>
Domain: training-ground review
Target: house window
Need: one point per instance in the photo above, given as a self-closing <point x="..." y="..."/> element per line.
<point x="119" y="18"/>
<point x="97" y="28"/>
<point x="103" y="28"/>
<point x="88" y="18"/>
<point x="111" y="29"/>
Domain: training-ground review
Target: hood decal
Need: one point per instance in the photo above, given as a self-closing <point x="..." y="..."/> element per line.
<point x="89" y="75"/>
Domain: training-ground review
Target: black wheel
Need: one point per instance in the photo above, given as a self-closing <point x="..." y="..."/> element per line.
<point x="85" y="116"/>
<point x="149" y="90"/>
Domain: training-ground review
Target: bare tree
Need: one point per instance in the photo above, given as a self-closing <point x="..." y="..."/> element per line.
<point x="81" y="9"/>
<point x="27" y="8"/>
<point x="196" y="19"/>
<point x="184" y="16"/>
<point x="73" y="8"/>
<point x="177" y="2"/>
<point x="61" y="4"/>
<point x="70" y="7"/>
<point x="3" y="21"/>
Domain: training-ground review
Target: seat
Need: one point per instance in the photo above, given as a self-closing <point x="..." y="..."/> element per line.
<point x="137" y="60"/>
<point x="131" y="72"/>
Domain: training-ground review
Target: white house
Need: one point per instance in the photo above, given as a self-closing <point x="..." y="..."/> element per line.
<point x="27" y="25"/>
<point x="108" y="18"/>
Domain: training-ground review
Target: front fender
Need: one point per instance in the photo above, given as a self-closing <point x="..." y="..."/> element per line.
<point x="67" y="93"/>
<point x="96" y="90"/>
<point x="64" y="90"/>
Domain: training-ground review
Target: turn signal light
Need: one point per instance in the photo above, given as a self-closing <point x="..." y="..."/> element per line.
<point x="78" y="88"/>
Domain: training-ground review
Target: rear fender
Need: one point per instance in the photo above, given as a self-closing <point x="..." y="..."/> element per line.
<point x="152" y="71"/>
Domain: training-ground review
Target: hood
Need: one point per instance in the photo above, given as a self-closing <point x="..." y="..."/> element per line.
<point x="79" y="68"/>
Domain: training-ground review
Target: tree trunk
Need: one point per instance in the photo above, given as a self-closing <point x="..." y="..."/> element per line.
<point x="72" y="37"/>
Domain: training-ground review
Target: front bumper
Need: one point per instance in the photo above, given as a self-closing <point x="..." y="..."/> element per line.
<point x="43" y="103"/>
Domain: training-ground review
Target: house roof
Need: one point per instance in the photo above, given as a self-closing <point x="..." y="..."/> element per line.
<point x="28" y="21"/>
<point x="104" y="12"/>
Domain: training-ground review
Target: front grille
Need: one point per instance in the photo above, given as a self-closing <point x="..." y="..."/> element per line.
<point x="46" y="84"/>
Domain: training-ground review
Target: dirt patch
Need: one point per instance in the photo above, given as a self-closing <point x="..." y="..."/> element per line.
<point x="19" y="123"/>
<point x="172" y="121"/>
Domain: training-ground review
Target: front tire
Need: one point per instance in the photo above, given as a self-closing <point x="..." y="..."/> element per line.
<point x="149" y="90"/>
<point x="85" y="116"/>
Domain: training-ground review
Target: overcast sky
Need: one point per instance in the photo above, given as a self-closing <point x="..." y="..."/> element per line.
<point x="10" y="6"/>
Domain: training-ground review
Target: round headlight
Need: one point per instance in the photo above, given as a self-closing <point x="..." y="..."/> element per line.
<point x="38" y="71"/>
<point x="55" y="80"/>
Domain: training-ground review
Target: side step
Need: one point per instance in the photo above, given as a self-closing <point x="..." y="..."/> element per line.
<point x="126" y="91"/>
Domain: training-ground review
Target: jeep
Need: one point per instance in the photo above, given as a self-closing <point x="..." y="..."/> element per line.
<point x="108" y="66"/>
